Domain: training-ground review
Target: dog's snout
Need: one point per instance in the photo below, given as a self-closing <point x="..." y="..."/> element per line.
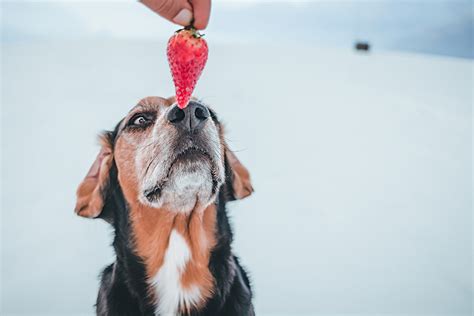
<point x="191" y="118"/>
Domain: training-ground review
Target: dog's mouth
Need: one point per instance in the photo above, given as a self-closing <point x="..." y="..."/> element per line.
<point x="192" y="155"/>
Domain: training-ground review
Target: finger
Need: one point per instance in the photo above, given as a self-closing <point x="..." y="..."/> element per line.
<point x="202" y="11"/>
<point x="176" y="11"/>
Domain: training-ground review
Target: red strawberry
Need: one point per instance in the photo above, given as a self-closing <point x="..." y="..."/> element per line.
<point x="187" y="56"/>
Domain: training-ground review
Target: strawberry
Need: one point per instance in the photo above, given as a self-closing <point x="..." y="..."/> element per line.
<point x="187" y="56"/>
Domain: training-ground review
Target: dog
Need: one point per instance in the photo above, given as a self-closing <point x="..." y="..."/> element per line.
<point x="162" y="179"/>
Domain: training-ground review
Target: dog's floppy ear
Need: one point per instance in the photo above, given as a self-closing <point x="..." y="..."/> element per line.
<point x="241" y="184"/>
<point x="91" y="191"/>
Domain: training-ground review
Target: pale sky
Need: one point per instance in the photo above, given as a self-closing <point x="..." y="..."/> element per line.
<point x="440" y="27"/>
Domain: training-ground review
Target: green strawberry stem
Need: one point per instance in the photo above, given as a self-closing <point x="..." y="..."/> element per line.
<point x="192" y="29"/>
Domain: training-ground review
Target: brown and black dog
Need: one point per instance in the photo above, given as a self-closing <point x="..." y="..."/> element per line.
<point x="162" y="179"/>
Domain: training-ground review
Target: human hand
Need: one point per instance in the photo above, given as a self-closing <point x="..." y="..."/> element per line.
<point x="182" y="12"/>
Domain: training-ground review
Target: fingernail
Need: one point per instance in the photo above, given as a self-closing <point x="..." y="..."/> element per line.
<point x="183" y="18"/>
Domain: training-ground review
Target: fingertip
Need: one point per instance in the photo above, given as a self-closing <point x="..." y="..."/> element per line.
<point x="200" y="25"/>
<point x="202" y="11"/>
<point x="183" y="18"/>
<point x="176" y="11"/>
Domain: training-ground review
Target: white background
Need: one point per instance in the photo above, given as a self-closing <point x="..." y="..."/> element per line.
<point x="361" y="162"/>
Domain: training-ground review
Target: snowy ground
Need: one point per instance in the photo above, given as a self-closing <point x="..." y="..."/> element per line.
<point x="361" y="165"/>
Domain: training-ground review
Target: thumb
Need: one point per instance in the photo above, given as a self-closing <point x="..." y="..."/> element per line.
<point x="176" y="11"/>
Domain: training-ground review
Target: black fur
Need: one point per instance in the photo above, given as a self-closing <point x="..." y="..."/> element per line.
<point x="123" y="289"/>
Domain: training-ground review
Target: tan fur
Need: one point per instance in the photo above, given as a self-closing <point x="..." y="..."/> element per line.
<point x="200" y="236"/>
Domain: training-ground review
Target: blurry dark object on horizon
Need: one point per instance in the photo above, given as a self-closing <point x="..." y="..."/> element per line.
<point x="362" y="46"/>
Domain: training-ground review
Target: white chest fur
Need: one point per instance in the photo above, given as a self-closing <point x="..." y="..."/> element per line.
<point x="169" y="292"/>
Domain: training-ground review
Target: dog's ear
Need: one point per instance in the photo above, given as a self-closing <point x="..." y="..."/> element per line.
<point x="91" y="191"/>
<point x="241" y="184"/>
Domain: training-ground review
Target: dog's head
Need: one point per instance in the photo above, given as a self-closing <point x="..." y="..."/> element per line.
<point x="164" y="158"/>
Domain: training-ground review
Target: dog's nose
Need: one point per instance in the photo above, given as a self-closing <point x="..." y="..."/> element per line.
<point x="189" y="119"/>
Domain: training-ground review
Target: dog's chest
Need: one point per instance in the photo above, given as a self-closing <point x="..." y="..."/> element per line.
<point x="171" y="296"/>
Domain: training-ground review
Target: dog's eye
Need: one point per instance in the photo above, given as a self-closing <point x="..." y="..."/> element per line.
<point x="140" y="120"/>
